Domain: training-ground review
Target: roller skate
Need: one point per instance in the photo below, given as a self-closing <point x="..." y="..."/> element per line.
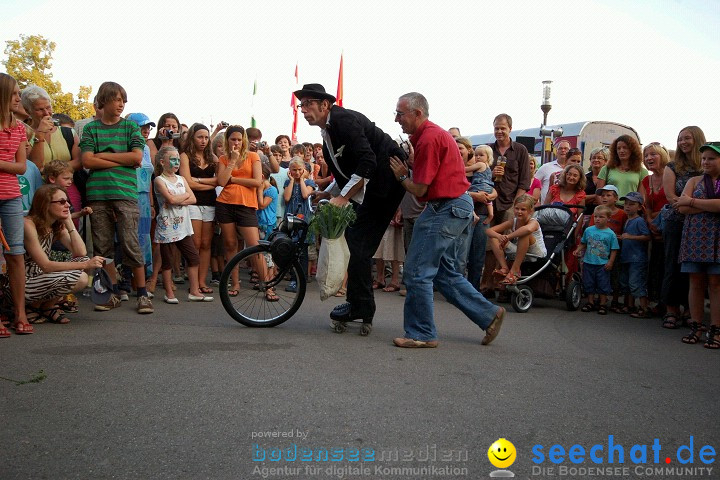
<point x="342" y="317"/>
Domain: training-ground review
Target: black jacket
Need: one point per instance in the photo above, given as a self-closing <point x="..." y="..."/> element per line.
<point x="361" y="148"/>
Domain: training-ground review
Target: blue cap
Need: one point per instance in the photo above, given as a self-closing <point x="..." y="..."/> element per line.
<point x="612" y="188"/>
<point x="141" y="119"/>
<point x="633" y="197"/>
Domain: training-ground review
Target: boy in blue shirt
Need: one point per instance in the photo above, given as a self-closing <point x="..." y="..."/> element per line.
<point x="634" y="256"/>
<point x="602" y="246"/>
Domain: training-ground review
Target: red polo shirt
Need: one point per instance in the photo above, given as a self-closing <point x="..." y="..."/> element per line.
<point x="438" y="163"/>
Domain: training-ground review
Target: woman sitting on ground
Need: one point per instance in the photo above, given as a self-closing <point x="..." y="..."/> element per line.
<point x="525" y="238"/>
<point x="47" y="281"/>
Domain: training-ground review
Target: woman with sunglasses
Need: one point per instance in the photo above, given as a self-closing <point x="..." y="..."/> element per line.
<point x="46" y="281"/>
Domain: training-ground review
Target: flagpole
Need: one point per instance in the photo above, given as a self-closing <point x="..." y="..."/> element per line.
<point x="253" y="123"/>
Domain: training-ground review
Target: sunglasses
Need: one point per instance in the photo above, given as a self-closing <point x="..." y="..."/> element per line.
<point x="62" y="201"/>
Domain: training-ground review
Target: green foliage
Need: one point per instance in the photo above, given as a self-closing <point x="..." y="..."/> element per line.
<point x="330" y="221"/>
<point x="29" y="61"/>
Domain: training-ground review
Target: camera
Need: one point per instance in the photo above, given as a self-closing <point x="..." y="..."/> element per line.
<point x="56" y="122"/>
<point x="224" y="124"/>
<point x="262" y="144"/>
<point x="168" y="134"/>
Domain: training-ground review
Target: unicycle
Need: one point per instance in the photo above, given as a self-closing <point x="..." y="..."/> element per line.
<point x="282" y="250"/>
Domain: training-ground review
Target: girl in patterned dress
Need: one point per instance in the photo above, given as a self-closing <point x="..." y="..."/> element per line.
<point x="173" y="224"/>
<point x="700" y="246"/>
<point x="46" y="281"/>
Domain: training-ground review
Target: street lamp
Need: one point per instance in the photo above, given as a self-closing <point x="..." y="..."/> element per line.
<point x="545" y="107"/>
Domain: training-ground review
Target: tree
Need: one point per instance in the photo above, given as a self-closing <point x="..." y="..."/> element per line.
<point x="29" y="61"/>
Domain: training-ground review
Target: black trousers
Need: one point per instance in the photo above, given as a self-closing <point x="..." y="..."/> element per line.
<point x="363" y="238"/>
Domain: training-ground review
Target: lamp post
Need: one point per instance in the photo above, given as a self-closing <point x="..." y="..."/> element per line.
<point x="544" y="132"/>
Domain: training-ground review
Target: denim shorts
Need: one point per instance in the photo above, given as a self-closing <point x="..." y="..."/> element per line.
<point x="699" y="267"/>
<point x="633" y="279"/>
<point x="596" y="279"/>
<point x="13" y="225"/>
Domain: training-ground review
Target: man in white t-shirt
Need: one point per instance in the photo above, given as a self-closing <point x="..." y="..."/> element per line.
<point x="548" y="173"/>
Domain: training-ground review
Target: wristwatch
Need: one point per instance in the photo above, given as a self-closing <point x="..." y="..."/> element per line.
<point x="402" y="178"/>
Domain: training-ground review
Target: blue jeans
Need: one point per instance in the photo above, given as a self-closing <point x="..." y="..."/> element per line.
<point x="476" y="255"/>
<point x="439" y="236"/>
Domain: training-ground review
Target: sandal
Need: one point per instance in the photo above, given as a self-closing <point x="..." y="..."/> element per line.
<point x="233" y="292"/>
<point x="641" y="313"/>
<point x="602" y="310"/>
<point x="23" y="329"/>
<point x="712" y="342"/>
<point x="615" y="307"/>
<point x="511" y="278"/>
<point x="254" y="277"/>
<point x="377" y="285"/>
<point x="56" y="315"/>
<point x="4" y="332"/>
<point x="270" y="296"/>
<point x="206" y="290"/>
<point x="626" y="310"/>
<point x="501" y="272"/>
<point x="341" y="292"/>
<point x="68" y="305"/>
<point x="695" y="333"/>
<point x="391" y="287"/>
<point x="673" y="324"/>
<point x="588" y="307"/>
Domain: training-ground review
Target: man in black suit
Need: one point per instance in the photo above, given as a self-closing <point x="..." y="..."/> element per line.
<point x="357" y="153"/>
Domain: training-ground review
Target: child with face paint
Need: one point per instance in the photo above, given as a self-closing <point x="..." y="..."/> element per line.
<point x="173" y="224"/>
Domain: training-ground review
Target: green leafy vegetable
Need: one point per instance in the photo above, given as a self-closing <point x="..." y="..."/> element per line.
<point x="330" y="221"/>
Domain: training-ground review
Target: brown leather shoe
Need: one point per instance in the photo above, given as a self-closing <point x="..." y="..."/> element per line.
<point x="403" y="342"/>
<point x="492" y="331"/>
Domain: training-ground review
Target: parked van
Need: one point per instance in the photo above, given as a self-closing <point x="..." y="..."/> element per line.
<point x="584" y="135"/>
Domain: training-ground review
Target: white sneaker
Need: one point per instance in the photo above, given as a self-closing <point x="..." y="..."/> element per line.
<point x="200" y="298"/>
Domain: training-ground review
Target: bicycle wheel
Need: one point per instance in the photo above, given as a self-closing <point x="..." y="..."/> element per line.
<point x="250" y="306"/>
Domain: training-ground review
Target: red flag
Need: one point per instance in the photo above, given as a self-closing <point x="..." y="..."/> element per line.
<point x="340" y="83"/>
<point x="293" y="104"/>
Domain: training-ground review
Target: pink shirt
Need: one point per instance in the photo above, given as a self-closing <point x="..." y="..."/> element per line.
<point x="10" y="140"/>
<point x="438" y="163"/>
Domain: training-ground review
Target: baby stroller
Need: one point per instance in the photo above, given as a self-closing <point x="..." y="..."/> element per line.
<point x="549" y="277"/>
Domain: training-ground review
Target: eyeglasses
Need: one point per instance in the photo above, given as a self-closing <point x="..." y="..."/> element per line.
<point x="307" y="103"/>
<point x="62" y="201"/>
<point x="400" y="114"/>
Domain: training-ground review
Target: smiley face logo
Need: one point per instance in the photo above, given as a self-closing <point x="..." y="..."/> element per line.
<point x="502" y="453"/>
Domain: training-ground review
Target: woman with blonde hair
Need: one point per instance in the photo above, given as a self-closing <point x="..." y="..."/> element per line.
<point x="676" y="175"/>
<point x="13" y="141"/>
<point x="240" y="175"/>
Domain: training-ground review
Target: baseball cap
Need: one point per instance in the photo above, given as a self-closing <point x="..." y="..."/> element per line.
<point x="633" y="197"/>
<point x="612" y="188"/>
<point x="141" y="119"/>
<point x="102" y="287"/>
<point x="715" y="146"/>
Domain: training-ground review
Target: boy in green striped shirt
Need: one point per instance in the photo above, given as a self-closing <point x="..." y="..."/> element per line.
<point x="112" y="148"/>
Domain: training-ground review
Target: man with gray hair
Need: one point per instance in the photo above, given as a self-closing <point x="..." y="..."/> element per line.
<point x="441" y="231"/>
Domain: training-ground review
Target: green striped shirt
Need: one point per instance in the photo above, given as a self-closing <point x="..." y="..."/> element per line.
<point x="117" y="183"/>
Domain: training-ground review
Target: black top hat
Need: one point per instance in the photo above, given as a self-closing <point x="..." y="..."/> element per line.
<point x="314" y="90"/>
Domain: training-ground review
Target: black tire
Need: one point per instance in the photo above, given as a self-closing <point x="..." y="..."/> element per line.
<point x="522" y="301"/>
<point x="250" y="307"/>
<point x="573" y="295"/>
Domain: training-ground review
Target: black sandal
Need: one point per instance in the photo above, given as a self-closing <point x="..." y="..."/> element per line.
<point x="588" y="307"/>
<point x="713" y="343"/>
<point x="602" y="310"/>
<point x="673" y="324"/>
<point x="615" y="307"/>
<point x="695" y="333"/>
<point x="641" y="313"/>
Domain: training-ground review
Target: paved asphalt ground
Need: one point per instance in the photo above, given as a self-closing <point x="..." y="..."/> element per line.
<point x="187" y="393"/>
